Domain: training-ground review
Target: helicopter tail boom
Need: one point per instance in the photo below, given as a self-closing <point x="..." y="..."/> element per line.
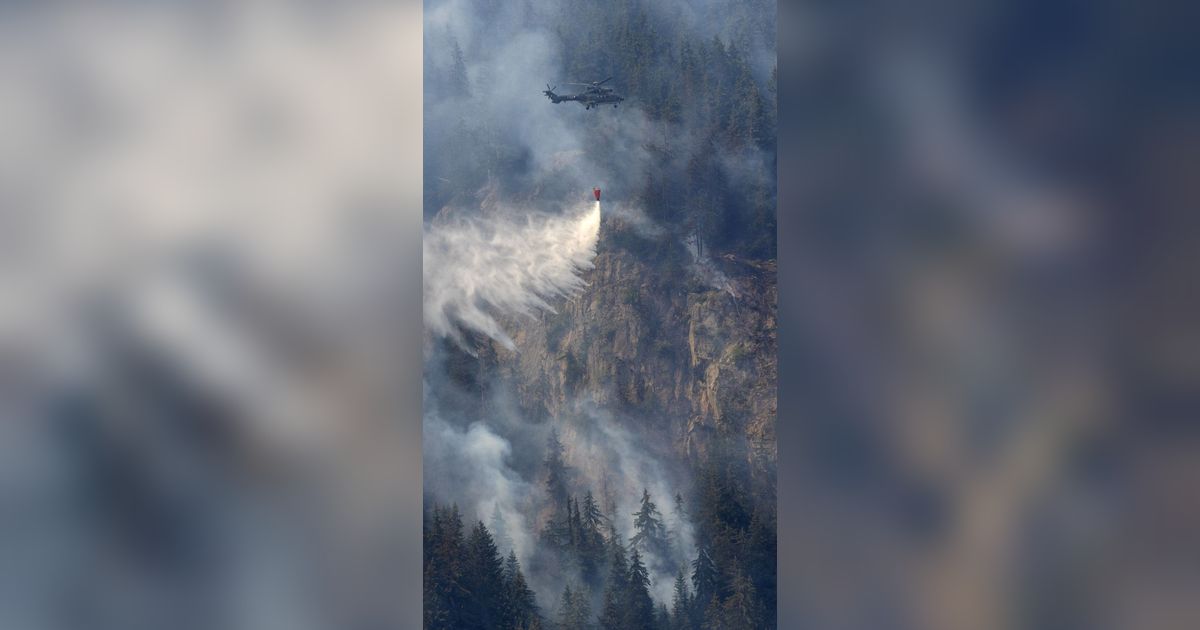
<point x="554" y="98"/>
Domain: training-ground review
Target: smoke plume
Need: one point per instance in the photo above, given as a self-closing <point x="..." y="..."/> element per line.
<point x="705" y="270"/>
<point x="492" y="469"/>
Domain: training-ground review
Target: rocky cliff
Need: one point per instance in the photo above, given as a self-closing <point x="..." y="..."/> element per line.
<point x="653" y="338"/>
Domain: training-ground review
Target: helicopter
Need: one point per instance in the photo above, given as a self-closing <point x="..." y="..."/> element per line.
<point x="593" y="95"/>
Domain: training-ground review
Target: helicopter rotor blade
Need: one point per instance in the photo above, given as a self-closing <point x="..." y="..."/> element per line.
<point x="605" y="81"/>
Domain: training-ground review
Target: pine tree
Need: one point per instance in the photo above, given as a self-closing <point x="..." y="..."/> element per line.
<point x="483" y="579"/>
<point x="591" y="545"/>
<point x="566" y="609"/>
<point x="650" y="534"/>
<point x="681" y="611"/>
<point x="612" y="616"/>
<point x="705" y="580"/>
<point x="574" y="612"/>
<point x="520" y="605"/>
<point x="583" y="611"/>
<point x="592" y="517"/>
<point x="444" y="587"/>
<point x="639" y="607"/>
<point x="662" y="618"/>
<point x="722" y="515"/>
<point x="741" y="610"/>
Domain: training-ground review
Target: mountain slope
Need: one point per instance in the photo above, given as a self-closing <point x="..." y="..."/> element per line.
<point x="658" y="345"/>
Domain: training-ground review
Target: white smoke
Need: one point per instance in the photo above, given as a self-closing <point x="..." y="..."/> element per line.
<point x="636" y="218"/>
<point x="706" y="271"/>
<point x="606" y="449"/>
<point x="477" y="465"/>
<point x="475" y="269"/>
<point x="473" y="467"/>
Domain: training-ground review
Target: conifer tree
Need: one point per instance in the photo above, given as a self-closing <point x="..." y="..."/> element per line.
<point x="681" y="610"/>
<point x="483" y="579"/>
<point x="520" y="605"/>
<point x="444" y="587"/>
<point x="662" y="618"/>
<point x="591" y="515"/>
<point x="612" y="616"/>
<point x="741" y="610"/>
<point x="574" y="611"/>
<point x="650" y="534"/>
<point x="639" y="606"/>
<point x="565" y="608"/>
<point x="583" y="611"/>
<point x="591" y="540"/>
<point x="705" y="580"/>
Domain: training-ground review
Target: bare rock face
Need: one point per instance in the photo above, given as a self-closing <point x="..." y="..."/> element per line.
<point x="661" y="347"/>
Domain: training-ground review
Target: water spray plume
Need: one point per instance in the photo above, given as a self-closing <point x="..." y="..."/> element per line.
<point x="480" y="268"/>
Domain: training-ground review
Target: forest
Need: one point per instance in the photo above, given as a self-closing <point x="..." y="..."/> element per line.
<point x="473" y="579"/>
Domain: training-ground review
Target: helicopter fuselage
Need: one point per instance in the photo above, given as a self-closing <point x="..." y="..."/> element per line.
<point x="593" y="96"/>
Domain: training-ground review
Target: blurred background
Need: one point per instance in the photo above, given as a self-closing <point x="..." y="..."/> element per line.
<point x="210" y="330"/>
<point x="210" y="315"/>
<point x="987" y="253"/>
